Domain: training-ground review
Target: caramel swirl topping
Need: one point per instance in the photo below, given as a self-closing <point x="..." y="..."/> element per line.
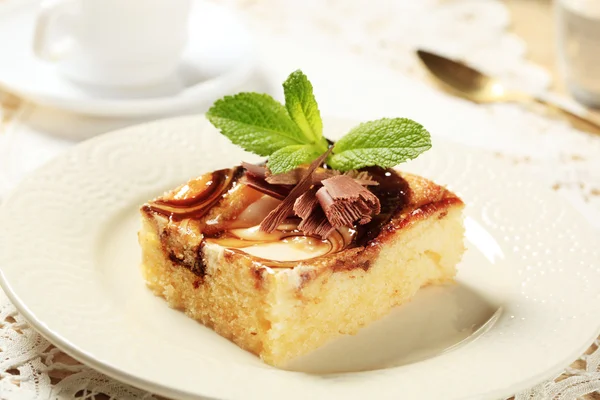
<point x="194" y="199"/>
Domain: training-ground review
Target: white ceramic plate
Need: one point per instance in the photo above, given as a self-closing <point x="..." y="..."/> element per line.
<point x="218" y="58"/>
<point x="526" y="302"/>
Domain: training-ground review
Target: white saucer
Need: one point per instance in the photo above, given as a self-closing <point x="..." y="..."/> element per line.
<point x="217" y="61"/>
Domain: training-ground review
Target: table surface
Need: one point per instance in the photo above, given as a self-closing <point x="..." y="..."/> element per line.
<point x="540" y="44"/>
<point x="539" y="36"/>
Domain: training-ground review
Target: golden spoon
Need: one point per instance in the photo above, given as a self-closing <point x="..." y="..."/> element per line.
<point x="474" y="85"/>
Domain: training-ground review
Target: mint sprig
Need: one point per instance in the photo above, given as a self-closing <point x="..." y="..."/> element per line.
<point x="292" y="135"/>
<point x="302" y="106"/>
<point x="256" y="122"/>
<point x="386" y="142"/>
<point x="290" y="157"/>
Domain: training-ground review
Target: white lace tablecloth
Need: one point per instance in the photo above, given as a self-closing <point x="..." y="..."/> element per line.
<point x="382" y="34"/>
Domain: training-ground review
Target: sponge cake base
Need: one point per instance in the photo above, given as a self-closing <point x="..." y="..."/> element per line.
<point x="282" y="313"/>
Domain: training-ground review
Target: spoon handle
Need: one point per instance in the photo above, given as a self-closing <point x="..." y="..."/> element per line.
<point x="580" y="116"/>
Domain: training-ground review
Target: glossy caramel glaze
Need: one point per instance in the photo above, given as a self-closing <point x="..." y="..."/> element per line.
<point x="194" y="199"/>
<point x="217" y="203"/>
<point x="393" y="192"/>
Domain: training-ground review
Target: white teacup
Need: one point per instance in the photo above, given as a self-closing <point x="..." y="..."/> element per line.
<point x="117" y="43"/>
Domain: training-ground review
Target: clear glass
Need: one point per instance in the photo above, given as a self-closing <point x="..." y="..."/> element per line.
<point x="578" y="38"/>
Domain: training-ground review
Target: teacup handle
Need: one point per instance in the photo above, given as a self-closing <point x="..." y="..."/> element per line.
<point x="51" y="14"/>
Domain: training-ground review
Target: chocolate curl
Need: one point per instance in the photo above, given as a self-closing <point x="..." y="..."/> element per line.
<point x="287" y="178"/>
<point x="314" y="221"/>
<point x="278" y="192"/>
<point x="285" y="208"/>
<point x="255" y="178"/>
<point x="257" y="171"/>
<point x="361" y="177"/>
<point x="293" y="177"/>
<point x="345" y="201"/>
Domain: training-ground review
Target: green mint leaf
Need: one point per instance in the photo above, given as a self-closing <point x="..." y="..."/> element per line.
<point x="255" y="122"/>
<point x="385" y="143"/>
<point x="290" y="157"/>
<point x="302" y="107"/>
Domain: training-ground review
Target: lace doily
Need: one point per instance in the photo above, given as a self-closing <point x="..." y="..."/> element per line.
<point x="385" y="32"/>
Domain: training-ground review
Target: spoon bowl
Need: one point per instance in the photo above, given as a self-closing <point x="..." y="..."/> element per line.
<point x="466" y="81"/>
<point x="472" y="84"/>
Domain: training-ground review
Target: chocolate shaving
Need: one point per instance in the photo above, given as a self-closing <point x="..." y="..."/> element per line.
<point x="287" y="178"/>
<point x="314" y="221"/>
<point x="278" y="192"/>
<point x="293" y="177"/>
<point x="285" y="208"/>
<point x="306" y="203"/>
<point x="361" y="177"/>
<point x="257" y="171"/>
<point x="344" y="201"/>
<point x="255" y="178"/>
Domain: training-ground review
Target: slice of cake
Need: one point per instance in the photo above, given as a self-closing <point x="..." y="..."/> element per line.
<point x="319" y="241"/>
<point x="283" y="294"/>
